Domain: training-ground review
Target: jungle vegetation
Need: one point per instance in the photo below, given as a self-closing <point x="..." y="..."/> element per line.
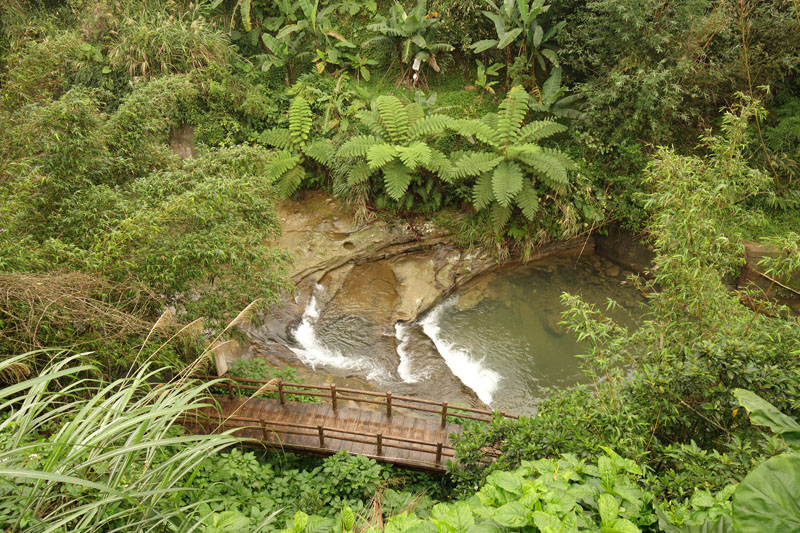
<point x="512" y="123"/>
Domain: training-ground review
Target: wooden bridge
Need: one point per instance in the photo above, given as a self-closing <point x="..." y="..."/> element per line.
<point x="411" y="432"/>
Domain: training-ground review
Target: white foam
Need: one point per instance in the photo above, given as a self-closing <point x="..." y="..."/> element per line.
<point x="311" y="351"/>
<point x="472" y="371"/>
<point x="404" y="368"/>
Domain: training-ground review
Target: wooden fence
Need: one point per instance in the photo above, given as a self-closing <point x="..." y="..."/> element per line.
<point x="335" y="395"/>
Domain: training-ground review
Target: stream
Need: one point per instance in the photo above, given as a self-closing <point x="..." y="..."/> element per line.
<point x="497" y="338"/>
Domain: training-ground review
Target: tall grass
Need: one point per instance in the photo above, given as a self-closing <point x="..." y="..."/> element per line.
<point x="79" y="453"/>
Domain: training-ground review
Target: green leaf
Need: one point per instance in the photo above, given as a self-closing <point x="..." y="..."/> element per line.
<point x="482" y="46"/>
<point x="763" y="413"/>
<point x="608" y="507"/>
<point x="380" y="154"/>
<point x="499" y="216"/>
<point x="620" y="525"/>
<point x="550" y="169"/>
<point x="528" y="201"/>
<point x="474" y="163"/>
<point x="277" y="137"/>
<point x="547" y="523"/>
<point x="539" y="129"/>
<point x="299" y="120"/>
<point x="430" y="125"/>
<point x="508" y="38"/>
<point x="359" y="173"/>
<point x="458" y="516"/>
<point x="291" y="180"/>
<point x="321" y="151"/>
<point x="357" y="146"/>
<point x="394" y="117"/>
<point x="552" y="84"/>
<point x="414" y="155"/>
<point x="482" y="194"/>
<point x="511" y="113"/>
<point x="767" y="498"/>
<point x="396" y="179"/>
<point x="506" y="182"/>
<point x="512" y="514"/>
<point x="245" y="10"/>
<point x="348" y="518"/>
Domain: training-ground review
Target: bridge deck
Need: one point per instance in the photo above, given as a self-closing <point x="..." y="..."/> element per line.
<point x="408" y="441"/>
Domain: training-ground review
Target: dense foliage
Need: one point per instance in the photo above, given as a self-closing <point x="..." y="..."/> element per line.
<point x="144" y="145"/>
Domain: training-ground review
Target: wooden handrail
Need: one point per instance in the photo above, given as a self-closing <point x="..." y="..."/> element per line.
<point x="386" y="399"/>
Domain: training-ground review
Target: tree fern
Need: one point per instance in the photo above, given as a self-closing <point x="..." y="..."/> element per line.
<point x="399" y="150"/>
<point x="510" y="154"/>
<point x="286" y="169"/>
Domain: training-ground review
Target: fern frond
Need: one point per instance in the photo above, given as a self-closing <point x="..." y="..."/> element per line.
<point x="321" y="151"/>
<point x="528" y="202"/>
<point x="380" y="154"/>
<point x="430" y="125"/>
<point x="372" y="120"/>
<point x="416" y="154"/>
<point x="540" y="129"/>
<point x="549" y="168"/>
<point x="394" y="116"/>
<point x="415" y="112"/>
<point x="291" y="180"/>
<point x="511" y="113"/>
<point x="474" y="163"/>
<point x="281" y="163"/>
<point x="499" y="216"/>
<point x="357" y="146"/>
<point x="396" y="179"/>
<point x="568" y="163"/>
<point x="299" y="121"/>
<point x="478" y="129"/>
<point x="482" y="194"/>
<point x="516" y="150"/>
<point x="358" y="174"/>
<point x="440" y="165"/>
<point x="506" y="182"/>
<point x="277" y="137"/>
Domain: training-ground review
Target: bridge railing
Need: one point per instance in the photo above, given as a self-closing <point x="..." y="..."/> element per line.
<point x="335" y="395"/>
<point x="439" y="451"/>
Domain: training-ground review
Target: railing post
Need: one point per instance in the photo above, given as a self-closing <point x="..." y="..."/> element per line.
<point x="380" y="444"/>
<point x="230" y="390"/>
<point x="444" y="413"/>
<point x="438" y="453"/>
<point x="264" y="434"/>
<point x="389" y="405"/>
<point x="321" y="436"/>
<point x="280" y="392"/>
<point x="333" y="398"/>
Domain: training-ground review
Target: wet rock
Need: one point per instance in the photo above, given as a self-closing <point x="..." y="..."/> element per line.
<point x="612" y="271"/>
<point x="550" y="323"/>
